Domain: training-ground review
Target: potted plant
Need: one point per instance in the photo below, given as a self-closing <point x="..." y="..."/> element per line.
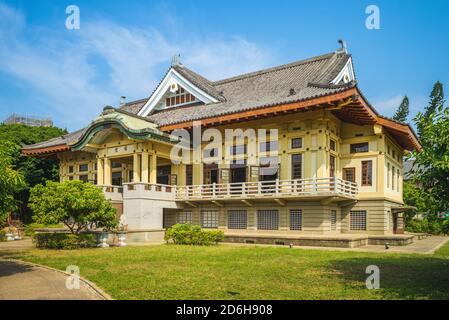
<point x="10" y="233"/>
<point x="103" y="237"/>
<point x="121" y="234"/>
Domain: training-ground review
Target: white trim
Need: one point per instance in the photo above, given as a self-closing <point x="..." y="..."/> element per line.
<point x="348" y="70"/>
<point x="174" y="76"/>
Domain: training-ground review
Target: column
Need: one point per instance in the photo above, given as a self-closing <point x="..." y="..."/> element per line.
<point x="100" y="172"/>
<point x="153" y="169"/>
<point x="144" y="172"/>
<point x="107" y="172"/>
<point x="136" y="167"/>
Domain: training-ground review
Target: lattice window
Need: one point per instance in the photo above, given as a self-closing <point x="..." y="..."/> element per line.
<point x="209" y="219"/>
<point x="296" y="143"/>
<point x="333" y="220"/>
<point x="237" y="219"/>
<point x="296" y="166"/>
<point x="180" y="97"/>
<point x="358" y="220"/>
<point x="184" y="217"/>
<point x="83" y="167"/>
<point x="295" y="219"/>
<point x="359" y="147"/>
<point x="268" y="219"/>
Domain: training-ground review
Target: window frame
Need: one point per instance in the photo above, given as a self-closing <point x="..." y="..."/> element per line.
<point x="209" y="219"/>
<point x="368" y="174"/>
<point x="292" y="146"/>
<point x="353" y="147"/>
<point x="346" y="170"/>
<point x="262" y="221"/>
<point x="237" y="219"/>
<point x="358" y="220"/>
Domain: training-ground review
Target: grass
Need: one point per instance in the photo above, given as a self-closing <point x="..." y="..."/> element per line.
<point x="248" y="272"/>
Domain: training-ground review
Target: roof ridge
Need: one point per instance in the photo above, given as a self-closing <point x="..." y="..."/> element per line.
<point x="275" y="68"/>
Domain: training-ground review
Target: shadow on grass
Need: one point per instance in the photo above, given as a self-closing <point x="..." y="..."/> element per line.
<point x="400" y="277"/>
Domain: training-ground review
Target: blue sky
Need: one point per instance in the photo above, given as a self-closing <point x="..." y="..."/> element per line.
<point x="124" y="48"/>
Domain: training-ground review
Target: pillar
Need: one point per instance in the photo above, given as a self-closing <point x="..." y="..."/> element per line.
<point x="136" y="167"/>
<point x="107" y="172"/>
<point x="153" y="169"/>
<point x="144" y="171"/>
<point x="100" y="172"/>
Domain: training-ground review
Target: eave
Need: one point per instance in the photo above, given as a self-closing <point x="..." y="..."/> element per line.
<point x="45" y="151"/>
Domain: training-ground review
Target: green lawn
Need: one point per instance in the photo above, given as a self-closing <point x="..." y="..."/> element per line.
<point x="248" y="272"/>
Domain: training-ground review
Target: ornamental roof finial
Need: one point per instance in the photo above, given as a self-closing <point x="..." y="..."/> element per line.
<point x="175" y="60"/>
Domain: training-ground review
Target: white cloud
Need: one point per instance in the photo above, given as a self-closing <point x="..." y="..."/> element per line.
<point x="74" y="73"/>
<point x="388" y="106"/>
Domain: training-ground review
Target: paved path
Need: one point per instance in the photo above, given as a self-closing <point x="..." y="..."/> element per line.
<point x="22" y="281"/>
<point x="424" y="246"/>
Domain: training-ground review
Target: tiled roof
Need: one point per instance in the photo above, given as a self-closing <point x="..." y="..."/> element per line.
<point x="287" y="83"/>
<point x="62" y="140"/>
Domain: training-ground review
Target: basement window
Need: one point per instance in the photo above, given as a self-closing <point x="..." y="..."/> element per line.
<point x="184" y="217"/>
<point x="358" y="220"/>
<point x="237" y="219"/>
<point x="267" y="219"/>
<point x="209" y="219"/>
<point x="296" y="219"/>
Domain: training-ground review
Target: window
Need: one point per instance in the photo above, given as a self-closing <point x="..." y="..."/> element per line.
<point x="359" y="147"/>
<point x="70" y="169"/>
<point x="116" y="164"/>
<point x="296" y="219"/>
<point x="333" y="220"/>
<point x="268" y="146"/>
<point x="397" y="177"/>
<point x="392" y="177"/>
<point x="237" y="219"/>
<point x="389" y="150"/>
<point x="83" y="167"/>
<point x="116" y="178"/>
<point x="296" y="166"/>
<point x="296" y="143"/>
<point x="267" y="219"/>
<point x="394" y="154"/>
<point x="209" y="218"/>
<point x="388" y="175"/>
<point x="236" y="150"/>
<point x="332" y="166"/>
<point x="71" y="178"/>
<point x="96" y="166"/>
<point x="357" y="220"/>
<point x="184" y="217"/>
<point x="349" y="174"/>
<point x="367" y="173"/>
<point x="84" y="178"/>
<point x="189" y="175"/>
<point x="333" y="145"/>
<point x="180" y="97"/>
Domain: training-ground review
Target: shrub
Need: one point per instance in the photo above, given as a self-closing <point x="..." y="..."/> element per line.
<point x="30" y="228"/>
<point x="80" y="206"/>
<point x="2" y="235"/>
<point x="425" y="225"/>
<point x="64" y="240"/>
<point x="192" y="235"/>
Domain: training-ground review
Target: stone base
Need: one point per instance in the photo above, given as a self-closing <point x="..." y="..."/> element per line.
<point x="393" y="240"/>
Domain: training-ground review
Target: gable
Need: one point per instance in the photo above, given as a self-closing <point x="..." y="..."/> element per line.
<point x="174" y="85"/>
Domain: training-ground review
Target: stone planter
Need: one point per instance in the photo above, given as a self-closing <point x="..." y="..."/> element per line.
<point x="102" y="239"/>
<point x="9" y="237"/>
<point x="121" y="236"/>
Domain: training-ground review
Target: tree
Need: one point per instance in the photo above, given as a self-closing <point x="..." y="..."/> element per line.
<point x="80" y="206"/>
<point x="436" y="99"/>
<point x="11" y="181"/>
<point x="34" y="170"/>
<point x="403" y="111"/>
<point x="431" y="165"/>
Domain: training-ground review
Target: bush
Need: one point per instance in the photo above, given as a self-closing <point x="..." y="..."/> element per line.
<point x="425" y="225"/>
<point x="192" y="235"/>
<point x="30" y="228"/>
<point x="2" y="235"/>
<point x="64" y="240"/>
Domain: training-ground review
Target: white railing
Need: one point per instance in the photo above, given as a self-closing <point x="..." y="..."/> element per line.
<point x="114" y="193"/>
<point x="269" y="189"/>
<point x="244" y="190"/>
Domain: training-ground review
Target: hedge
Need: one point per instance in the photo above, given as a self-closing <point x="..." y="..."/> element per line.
<point x="64" y="240"/>
<point x="190" y="234"/>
